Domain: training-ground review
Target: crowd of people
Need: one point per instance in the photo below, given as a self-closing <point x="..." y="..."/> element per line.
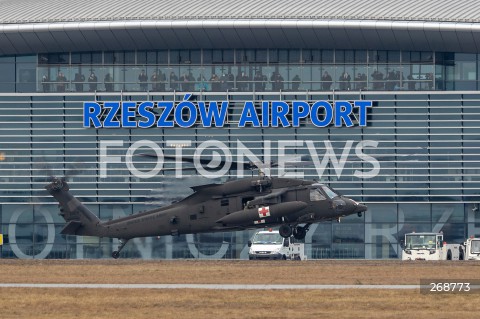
<point x="61" y="83"/>
<point x="159" y="82"/>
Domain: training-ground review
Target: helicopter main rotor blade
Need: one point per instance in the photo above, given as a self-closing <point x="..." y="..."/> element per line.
<point x="211" y="162"/>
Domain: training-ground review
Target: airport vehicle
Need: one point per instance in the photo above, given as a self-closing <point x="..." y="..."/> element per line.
<point x="297" y="250"/>
<point x="430" y="246"/>
<point x="472" y="248"/>
<point x="268" y="244"/>
<point x="291" y="204"/>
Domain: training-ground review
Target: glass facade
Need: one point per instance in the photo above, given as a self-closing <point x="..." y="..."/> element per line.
<point x="239" y="70"/>
<point x="426" y="144"/>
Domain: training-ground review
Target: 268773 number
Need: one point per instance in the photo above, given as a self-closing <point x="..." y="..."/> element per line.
<point x="449" y="287"/>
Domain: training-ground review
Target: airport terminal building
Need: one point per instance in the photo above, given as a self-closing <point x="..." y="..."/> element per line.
<point x="415" y="163"/>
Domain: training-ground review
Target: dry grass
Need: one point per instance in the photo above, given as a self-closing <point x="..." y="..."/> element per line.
<point x="233" y="272"/>
<point x="199" y="304"/>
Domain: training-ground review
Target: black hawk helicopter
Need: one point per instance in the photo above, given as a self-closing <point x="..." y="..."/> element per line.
<point x="255" y="202"/>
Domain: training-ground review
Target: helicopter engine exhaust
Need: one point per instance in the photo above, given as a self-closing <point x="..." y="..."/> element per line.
<point x="249" y="216"/>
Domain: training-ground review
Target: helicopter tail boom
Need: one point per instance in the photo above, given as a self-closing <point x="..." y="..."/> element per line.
<point x="80" y="220"/>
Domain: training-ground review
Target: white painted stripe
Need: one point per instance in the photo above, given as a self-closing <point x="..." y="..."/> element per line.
<point x="207" y="286"/>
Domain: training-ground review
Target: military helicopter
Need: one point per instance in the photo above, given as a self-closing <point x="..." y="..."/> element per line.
<point x="254" y="202"/>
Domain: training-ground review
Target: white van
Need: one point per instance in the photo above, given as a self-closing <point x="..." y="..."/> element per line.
<point x="268" y="244"/>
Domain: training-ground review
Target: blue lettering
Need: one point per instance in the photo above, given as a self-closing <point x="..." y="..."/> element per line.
<point x="362" y="111"/>
<point x="91" y="112"/>
<point x="143" y="111"/>
<point x="279" y="112"/>
<point x="327" y="108"/>
<point x="207" y="116"/>
<point x="109" y="119"/>
<point x="165" y="111"/>
<point x="185" y="113"/>
<point x="300" y="110"/>
<point x="192" y="112"/>
<point x="265" y="114"/>
<point x="128" y="114"/>
<point x="343" y="109"/>
<point x="249" y="114"/>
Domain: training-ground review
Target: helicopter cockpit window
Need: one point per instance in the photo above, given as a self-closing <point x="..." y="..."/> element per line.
<point x="330" y="193"/>
<point x="316" y="195"/>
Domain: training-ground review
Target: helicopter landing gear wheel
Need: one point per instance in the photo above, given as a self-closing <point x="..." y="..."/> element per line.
<point x="285" y="231"/>
<point x="122" y="243"/>
<point x="299" y="232"/>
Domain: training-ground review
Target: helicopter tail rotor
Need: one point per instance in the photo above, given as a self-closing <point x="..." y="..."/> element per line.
<point x="80" y="220"/>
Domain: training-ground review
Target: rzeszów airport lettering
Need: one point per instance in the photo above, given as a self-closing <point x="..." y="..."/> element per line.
<point x="148" y="114"/>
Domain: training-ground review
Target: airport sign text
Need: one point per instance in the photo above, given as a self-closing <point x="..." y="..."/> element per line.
<point x="186" y="113"/>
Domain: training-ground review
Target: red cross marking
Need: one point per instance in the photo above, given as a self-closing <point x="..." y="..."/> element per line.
<point x="264" y="212"/>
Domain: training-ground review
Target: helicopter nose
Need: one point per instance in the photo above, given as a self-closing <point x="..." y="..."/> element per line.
<point x="360" y="208"/>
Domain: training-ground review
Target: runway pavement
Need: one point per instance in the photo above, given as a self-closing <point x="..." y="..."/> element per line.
<point x="207" y="286"/>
